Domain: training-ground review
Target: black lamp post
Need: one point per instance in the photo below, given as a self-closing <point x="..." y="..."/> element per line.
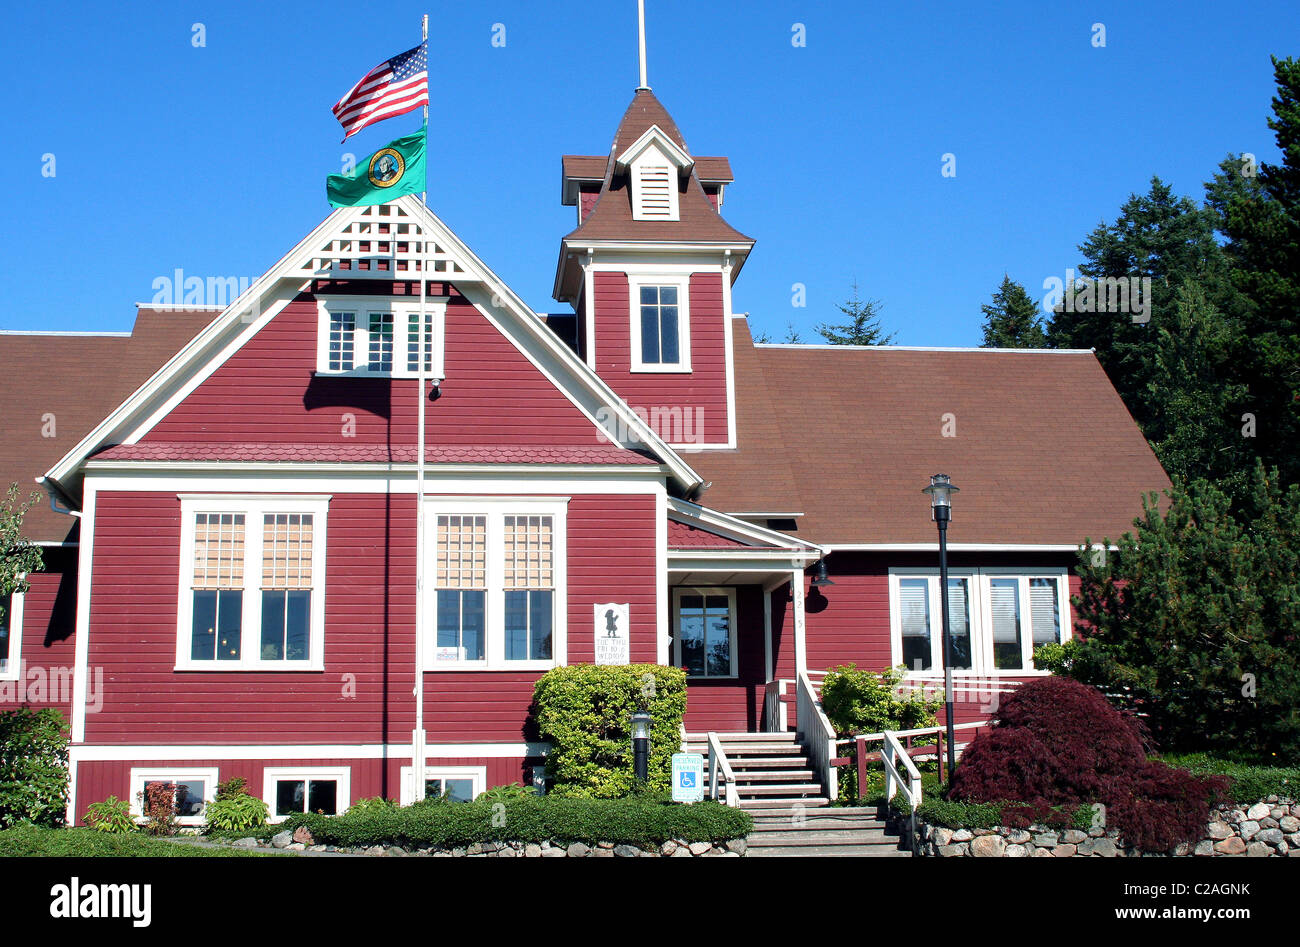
<point x="941" y="491"/>
<point x="641" y="746"/>
<point x="822" y="579"/>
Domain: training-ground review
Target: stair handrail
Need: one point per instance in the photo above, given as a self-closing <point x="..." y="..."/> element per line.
<point x="772" y="707"/>
<point x="815" y="733"/>
<point x="718" y="761"/>
<point x="892" y="752"/>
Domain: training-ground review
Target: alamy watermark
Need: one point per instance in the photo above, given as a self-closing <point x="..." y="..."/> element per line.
<point x="38" y="684"/>
<point x="1128" y="294"/>
<point x="674" y="424"/>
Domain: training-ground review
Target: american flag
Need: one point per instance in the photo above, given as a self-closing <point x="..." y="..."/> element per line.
<point x="391" y="88"/>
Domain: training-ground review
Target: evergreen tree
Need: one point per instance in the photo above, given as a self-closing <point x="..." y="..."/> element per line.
<point x="1260" y="216"/>
<point x="1012" y="320"/>
<point x="1197" y="619"/>
<point x="863" y="325"/>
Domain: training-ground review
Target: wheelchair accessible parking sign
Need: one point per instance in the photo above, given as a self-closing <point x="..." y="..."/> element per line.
<point x="688" y="777"/>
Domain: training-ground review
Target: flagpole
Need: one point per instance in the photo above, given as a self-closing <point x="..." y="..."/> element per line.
<point x="418" y="736"/>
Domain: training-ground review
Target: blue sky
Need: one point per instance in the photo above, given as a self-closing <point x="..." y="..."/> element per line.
<point x="212" y="159"/>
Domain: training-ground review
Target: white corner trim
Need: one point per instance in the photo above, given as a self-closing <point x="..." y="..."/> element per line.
<point x="11" y="664"/>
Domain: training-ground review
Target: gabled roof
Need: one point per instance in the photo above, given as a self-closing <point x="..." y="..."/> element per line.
<point x="347" y="245"/>
<point x="1045" y="453"/>
<point x="75" y="379"/>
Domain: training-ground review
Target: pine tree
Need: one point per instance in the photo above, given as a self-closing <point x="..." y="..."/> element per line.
<point x="1012" y="319"/>
<point x="863" y="325"/>
<point x="1261" y="219"/>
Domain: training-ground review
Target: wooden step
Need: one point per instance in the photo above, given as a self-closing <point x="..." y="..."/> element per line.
<point x="812" y="822"/>
<point x="796" y="838"/>
<point x="827" y="851"/>
<point x="782" y="807"/>
<point x="776" y="776"/>
<point x="702" y="739"/>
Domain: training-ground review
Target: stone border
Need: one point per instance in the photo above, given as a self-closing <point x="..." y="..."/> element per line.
<point x="302" y="841"/>
<point x="1269" y="828"/>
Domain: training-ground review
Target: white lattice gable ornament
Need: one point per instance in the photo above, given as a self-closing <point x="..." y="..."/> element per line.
<point x="383" y="241"/>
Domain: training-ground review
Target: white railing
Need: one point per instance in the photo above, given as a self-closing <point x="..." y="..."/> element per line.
<point x="816" y="734"/>
<point x="939" y="731"/>
<point x="891" y="754"/>
<point x="775" y="718"/>
<point x="718" y="764"/>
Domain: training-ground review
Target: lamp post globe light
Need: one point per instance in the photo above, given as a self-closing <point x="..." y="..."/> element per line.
<point x="641" y="746"/>
<point x="941" y="491"/>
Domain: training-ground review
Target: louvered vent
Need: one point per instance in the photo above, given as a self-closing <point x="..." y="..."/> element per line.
<point x="655" y="197"/>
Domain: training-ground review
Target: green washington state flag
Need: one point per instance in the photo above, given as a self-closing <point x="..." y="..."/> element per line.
<point x="393" y="170"/>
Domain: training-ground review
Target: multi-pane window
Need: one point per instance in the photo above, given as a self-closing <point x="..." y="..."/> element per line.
<point x="496" y="599"/>
<point x="461" y="582"/>
<point x="452" y="783"/>
<point x="252" y="589"/>
<point x="342" y="341"/>
<point x="529" y="587"/>
<point x="380" y="348"/>
<point x="218" y="587"/>
<point x="705" y="641"/>
<point x="997" y="618"/>
<point x="380" y="337"/>
<point x="190" y="791"/>
<point x="306" y="795"/>
<point x="454" y="788"/>
<point x="286" y="586"/>
<point x="660" y="342"/>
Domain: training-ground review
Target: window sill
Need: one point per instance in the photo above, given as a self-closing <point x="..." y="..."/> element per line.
<point x="297" y="667"/>
<point x="362" y="373"/>
<point x="661" y="369"/>
<point x="697" y="679"/>
<point x="960" y="673"/>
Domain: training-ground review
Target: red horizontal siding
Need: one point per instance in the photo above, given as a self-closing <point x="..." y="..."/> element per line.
<point x="48" y="652"/>
<point x="364" y="695"/>
<point x="705" y="386"/>
<point x="267" y="392"/>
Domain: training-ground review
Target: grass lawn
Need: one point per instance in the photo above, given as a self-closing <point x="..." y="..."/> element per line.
<point x="29" y="841"/>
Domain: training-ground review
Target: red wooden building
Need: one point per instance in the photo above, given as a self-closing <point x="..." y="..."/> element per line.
<point x="231" y="528"/>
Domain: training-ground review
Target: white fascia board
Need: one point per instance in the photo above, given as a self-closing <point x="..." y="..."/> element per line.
<point x="365" y="468"/>
<point x="654" y="137"/>
<point x="957" y="547"/>
<point x="692" y="514"/>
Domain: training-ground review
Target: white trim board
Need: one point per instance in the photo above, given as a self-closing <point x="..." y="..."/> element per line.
<point x="100" y="753"/>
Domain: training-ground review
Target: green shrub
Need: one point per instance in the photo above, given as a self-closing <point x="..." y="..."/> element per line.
<point x="111" y="815"/>
<point x="236" y="813"/>
<point x="29" y="841"/>
<point x="506" y="793"/>
<point x="584" y="711"/>
<point x="987" y="815"/>
<point x="372" y="804"/>
<point x="1247" y="784"/>
<point x="857" y="701"/>
<point x="33" y="767"/>
<point x="158" y="803"/>
<point x="640" y="820"/>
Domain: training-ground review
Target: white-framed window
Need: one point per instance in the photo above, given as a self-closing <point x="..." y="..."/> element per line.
<point x="194" y="788"/>
<point x="997" y="617"/>
<point x="289" y="790"/>
<point x="661" y="323"/>
<point x="252" y="583"/>
<point x="11" y="637"/>
<point x="704" y="632"/>
<point x="379" y="336"/>
<point x="459" y="783"/>
<point x="497" y="596"/>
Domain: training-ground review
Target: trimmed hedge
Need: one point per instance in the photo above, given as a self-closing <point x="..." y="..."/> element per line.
<point x="988" y="815"/>
<point x="632" y="821"/>
<point x="30" y="841"/>
<point x="1247" y="784"/>
<point x="584" y="710"/>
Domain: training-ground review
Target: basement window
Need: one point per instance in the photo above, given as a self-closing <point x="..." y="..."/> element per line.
<point x="379" y="337"/>
<point x="292" y="790"/>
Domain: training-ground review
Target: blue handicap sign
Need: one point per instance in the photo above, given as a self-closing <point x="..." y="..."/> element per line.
<point x="688" y="780"/>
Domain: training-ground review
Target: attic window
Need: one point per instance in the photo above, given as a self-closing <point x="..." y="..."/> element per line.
<point x="379" y="337"/>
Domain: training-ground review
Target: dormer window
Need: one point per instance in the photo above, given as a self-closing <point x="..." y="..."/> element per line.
<point x="379" y="337"/>
<point x="660" y="317"/>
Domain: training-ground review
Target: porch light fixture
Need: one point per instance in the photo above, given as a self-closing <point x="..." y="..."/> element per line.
<point x="941" y="491"/>
<point x="641" y="746"/>
<point x="822" y="578"/>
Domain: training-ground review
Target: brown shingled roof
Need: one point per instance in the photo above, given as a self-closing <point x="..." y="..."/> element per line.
<point x="611" y="218"/>
<point x="1045" y="452"/>
<point x="78" y="380"/>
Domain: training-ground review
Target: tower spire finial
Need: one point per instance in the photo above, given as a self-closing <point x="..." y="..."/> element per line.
<point x="640" y="23"/>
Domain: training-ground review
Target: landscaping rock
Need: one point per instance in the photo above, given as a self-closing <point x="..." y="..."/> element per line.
<point x="1073" y="836"/>
<point x="1017" y="851"/>
<point x="1018" y="836"/>
<point x="578" y="850"/>
<point x="395" y="852"/>
<point x="1259" y="811"/>
<point x="736" y="846"/>
<point x="1271" y="837"/>
<point x="1248" y="829"/>
<point x="1258" y="850"/>
<point x="282" y="839"/>
<point x="952" y="851"/>
<point x="1289" y="824"/>
<point x="295" y="847"/>
<point x="941" y="836"/>
<point x="1204" y="848"/>
<point x="699" y="848"/>
<point x="667" y="848"/>
<point x="303" y="834"/>
<point x="681" y="851"/>
<point x="626" y="851"/>
<point x="376" y="850"/>
<point x="1218" y="830"/>
<point x="1104" y="847"/>
<point x="1065" y="850"/>
<point x="1230" y="846"/>
<point x="1046" y="839"/>
<point x="558" y="853"/>
<point x="962" y="835"/>
<point x="245" y="843"/>
<point x="988" y="846"/>
<point x="532" y="850"/>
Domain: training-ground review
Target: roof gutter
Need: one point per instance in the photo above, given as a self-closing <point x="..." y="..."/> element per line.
<point x="55" y="491"/>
